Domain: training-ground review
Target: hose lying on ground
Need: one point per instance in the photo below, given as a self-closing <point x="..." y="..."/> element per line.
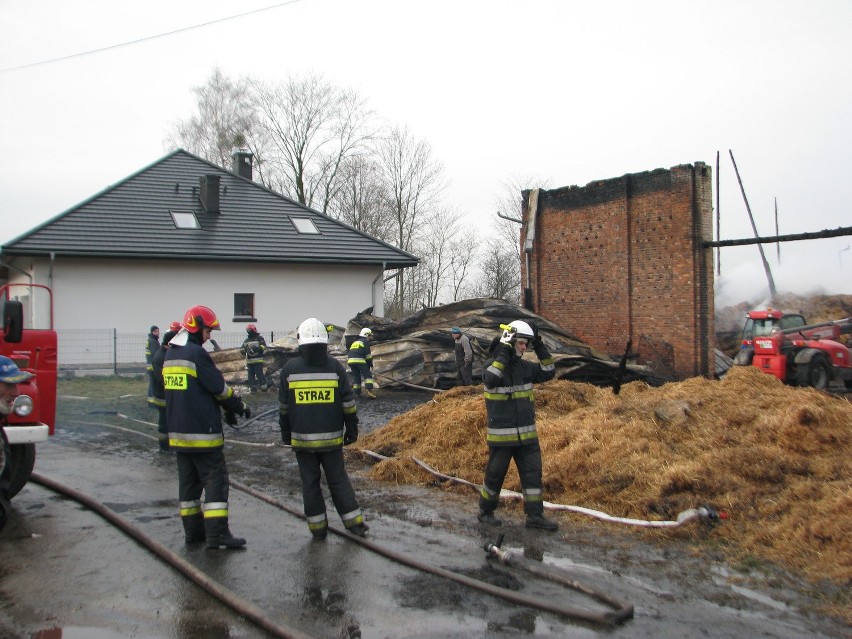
<point x="703" y="512"/>
<point x="231" y="599"/>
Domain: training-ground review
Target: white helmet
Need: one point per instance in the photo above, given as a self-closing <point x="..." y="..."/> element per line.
<point x="312" y="331"/>
<point x="365" y="332"/>
<point x="522" y="329"/>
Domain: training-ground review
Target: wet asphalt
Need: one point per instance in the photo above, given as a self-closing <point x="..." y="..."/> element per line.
<point x="65" y="572"/>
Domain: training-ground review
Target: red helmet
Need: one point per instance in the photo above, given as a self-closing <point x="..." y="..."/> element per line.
<point x="174" y="326"/>
<point x="199" y="317"/>
<point x="251" y="328"/>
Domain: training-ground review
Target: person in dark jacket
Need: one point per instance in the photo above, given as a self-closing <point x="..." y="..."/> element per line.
<point x="360" y="362"/>
<point x="318" y="416"/>
<point x="464" y="357"/>
<point x="159" y="390"/>
<point x="196" y="394"/>
<point x="253" y="348"/>
<point x="152" y="345"/>
<point x="512" y="433"/>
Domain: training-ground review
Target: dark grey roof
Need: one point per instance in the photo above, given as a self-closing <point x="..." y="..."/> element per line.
<point x="132" y="219"/>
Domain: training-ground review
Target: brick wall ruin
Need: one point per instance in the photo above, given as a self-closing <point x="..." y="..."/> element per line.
<point x="622" y="259"/>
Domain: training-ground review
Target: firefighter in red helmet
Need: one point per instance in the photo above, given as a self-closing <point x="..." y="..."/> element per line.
<point x="253" y="349"/>
<point x="196" y="395"/>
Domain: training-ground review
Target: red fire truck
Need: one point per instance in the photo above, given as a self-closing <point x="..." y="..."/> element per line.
<point x="27" y="337"/>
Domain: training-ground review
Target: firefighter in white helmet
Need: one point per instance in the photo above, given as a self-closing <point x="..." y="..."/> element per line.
<point x="360" y="362"/>
<point x="318" y="417"/>
<point x="512" y="434"/>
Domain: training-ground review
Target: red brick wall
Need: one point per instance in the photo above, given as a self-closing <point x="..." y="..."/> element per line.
<point x="622" y="259"/>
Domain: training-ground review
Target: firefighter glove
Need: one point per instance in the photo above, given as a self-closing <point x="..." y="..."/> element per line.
<point x="351" y="434"/>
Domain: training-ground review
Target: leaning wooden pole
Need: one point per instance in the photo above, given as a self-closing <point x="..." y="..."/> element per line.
<point x="772" y="291"/>
<point x="718" y="220"/>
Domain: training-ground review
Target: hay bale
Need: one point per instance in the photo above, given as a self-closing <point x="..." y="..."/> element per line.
<point x="775" y="457"/>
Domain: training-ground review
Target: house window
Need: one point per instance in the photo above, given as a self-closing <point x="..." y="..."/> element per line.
<point x="185" y="220"/>
<point x="305" y="225"/>
<point x="244" y="307"/>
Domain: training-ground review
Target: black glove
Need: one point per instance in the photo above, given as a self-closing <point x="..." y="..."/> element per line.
<point x="284" y="424"/>
<point x="230" y="418"/>
<point x="351" y="434"/>
<point x="536" y="337"/>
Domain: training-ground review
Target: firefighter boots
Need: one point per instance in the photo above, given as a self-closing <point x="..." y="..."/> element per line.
<point x="193" y="529"/>
<point x="218" y="534"/>
<point x="540" y="521"/>
<point x="487" y="517"/>
<point x="360" y="529"/>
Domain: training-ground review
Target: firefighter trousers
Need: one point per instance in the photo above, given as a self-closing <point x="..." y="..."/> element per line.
<point x="311" y="466"/>
<point x="359" y="372"/>
<point x="528" y="460"/>
<point x="203" y="473"/>
<point x="256" y="378"/>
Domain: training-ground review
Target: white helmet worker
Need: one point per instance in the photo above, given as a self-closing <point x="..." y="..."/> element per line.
<point x="516" y="329"/>
<point x="312" y="331"/>
<point x="365" y="332"/>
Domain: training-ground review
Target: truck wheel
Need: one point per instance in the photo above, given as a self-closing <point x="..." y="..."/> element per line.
<point x="816" y="373"/>
<point x="21" y="461"/>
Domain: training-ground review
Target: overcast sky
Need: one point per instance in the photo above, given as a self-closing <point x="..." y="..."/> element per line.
<point x="564" y="91"/>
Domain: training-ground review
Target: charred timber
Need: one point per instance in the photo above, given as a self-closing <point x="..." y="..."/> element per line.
<point x="838" y="232"/>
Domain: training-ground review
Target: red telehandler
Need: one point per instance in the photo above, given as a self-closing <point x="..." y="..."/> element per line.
<point x="797" y="353"/>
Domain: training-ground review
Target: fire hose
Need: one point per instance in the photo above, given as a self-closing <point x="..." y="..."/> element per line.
<point x="705" y="513"/>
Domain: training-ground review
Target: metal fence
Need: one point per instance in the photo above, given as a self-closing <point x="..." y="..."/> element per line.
<point x="107" y="349"/>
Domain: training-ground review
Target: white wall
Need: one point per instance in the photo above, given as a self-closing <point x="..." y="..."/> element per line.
<point x="131" y="295"/>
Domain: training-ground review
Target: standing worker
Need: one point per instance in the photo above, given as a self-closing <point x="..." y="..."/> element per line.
<point x="318" y="417"/>
<point x="152" y="345"/>
<point x="159" y="390"/>
<point x="195" y="394"/>
<point x="10" y="377"/>
<point x="253" y="348"/>
<point x="464" y="357"/>
<point x="512" y="433"/>
<point x="360" y="362"/>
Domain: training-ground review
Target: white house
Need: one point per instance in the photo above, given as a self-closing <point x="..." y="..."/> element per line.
<point x="182" y="232"/>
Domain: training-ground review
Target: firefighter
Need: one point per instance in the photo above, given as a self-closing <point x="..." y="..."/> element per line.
<point x="10" y="377"/>
<point x="253" y="348"/>
<point x="152" y="345"/>
<point x="196" y="393"/>
<point x="512" y="433"/>
<point x="360" y="362"/>
<point x="318" y="417"/>
<point x="159" y="390"/>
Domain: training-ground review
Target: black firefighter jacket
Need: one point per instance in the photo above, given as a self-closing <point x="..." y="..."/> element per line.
<point x="195" y="394"/>
<point x="508" y="381"/>
<point x="318" y="404"/>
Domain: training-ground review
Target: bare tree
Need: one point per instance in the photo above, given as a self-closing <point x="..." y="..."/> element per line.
<point x="413" y="181"/>
<point x="501" y="273"/>
<point x="360" y="199"/>
<point x="313" y="127"/>
<point x="225" y="119"/>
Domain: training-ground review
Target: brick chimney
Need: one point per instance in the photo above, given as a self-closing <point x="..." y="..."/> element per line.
<point x="241" y="163"/>
<point x="209" y="193"/>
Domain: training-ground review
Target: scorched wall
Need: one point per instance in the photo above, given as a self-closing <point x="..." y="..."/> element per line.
<point x="622" y="259"/>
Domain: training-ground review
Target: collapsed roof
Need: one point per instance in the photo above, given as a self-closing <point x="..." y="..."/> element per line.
<point x="418" y="350"/>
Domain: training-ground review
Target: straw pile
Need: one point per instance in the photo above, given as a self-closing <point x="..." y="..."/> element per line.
<point x="776" y="458"/>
